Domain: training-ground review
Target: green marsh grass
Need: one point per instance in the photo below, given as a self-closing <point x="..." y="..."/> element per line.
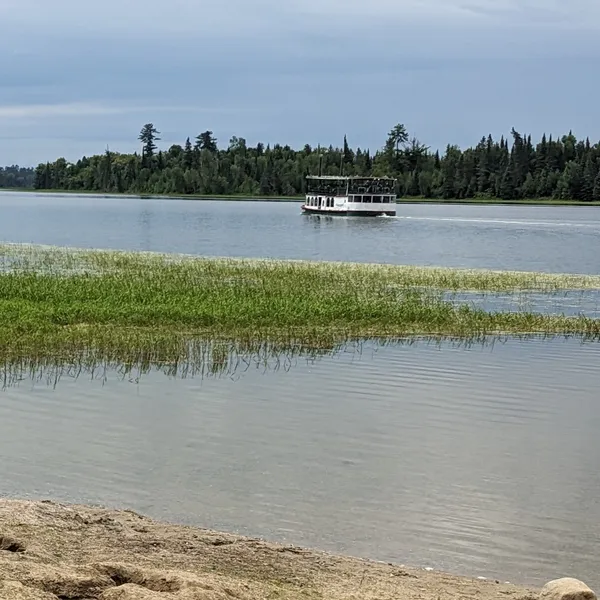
<point x="59" y="302"/>
<point x="59" y="260"/>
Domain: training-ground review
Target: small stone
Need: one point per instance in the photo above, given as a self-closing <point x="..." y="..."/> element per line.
<point x="566" y="588"/>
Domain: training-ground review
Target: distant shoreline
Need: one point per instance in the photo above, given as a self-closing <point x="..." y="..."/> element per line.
<point x="242" y="198"/>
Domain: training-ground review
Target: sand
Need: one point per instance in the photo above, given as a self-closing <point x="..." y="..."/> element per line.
<point x="51" y="551"/>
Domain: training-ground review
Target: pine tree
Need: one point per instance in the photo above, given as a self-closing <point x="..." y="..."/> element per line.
<point x="589" y="177"/>
<point x="348" y="155"/>
<point x="188" y="154"/>
<point x="529" y="188"/>
<point x="107" y="173"/>
<point x="206" y="141"/>
<point x="506" y="189"/>
<point x="149" y="136"/>
<point x="596" y="192"/>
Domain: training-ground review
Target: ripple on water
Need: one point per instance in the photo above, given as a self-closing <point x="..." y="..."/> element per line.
<point x="478" y="459"/>
<point x="567" y="302"/>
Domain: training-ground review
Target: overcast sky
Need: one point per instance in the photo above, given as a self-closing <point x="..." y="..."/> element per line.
<point x="78" y="76"/>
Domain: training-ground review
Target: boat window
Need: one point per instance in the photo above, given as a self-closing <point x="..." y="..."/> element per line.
<point x="366" y="198"/>
<point x="377" y="199"/>
<point x="357" y="198"/>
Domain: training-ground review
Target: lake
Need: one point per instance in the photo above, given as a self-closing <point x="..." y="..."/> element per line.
<point x="480" y="459"/>
<point x="525" y="238"/>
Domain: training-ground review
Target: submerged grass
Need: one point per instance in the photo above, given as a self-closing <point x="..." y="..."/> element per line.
<point x="206" y="358"/>
<point x="59" y="260"/>
<point x="57" y="301"/>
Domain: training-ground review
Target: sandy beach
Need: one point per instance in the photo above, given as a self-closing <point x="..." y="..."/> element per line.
<point x="52" y="551"/>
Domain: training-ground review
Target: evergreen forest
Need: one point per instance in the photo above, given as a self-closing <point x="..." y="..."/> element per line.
<point x="511" y="168"/>
<point x="16" y="177"/>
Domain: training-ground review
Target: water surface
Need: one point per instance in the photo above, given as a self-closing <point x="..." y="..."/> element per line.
<point x="570" y="303"/>
<point x="530" y="238"/>
<point x="476" y="459"/>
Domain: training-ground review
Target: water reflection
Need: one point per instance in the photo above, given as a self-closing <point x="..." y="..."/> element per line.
<point x="221" y="359"/>
<point x="199" y="359"/>
<point x="478" y="458"/>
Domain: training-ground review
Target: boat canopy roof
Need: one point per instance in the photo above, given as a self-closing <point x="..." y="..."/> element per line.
<point x="348" y="178"/>
<point x="331" y="185"/>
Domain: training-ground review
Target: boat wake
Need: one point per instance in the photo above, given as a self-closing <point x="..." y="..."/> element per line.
<point x="589" y="225"/>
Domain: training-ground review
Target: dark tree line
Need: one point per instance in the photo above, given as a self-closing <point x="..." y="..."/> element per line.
<point x="16" y="177"/>
<point x="562" y="168"/>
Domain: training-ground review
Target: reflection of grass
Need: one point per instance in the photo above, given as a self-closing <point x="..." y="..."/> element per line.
<point x="203" y="358"/>
<point x="198" y="359"/>
<point x="57" y="302"/>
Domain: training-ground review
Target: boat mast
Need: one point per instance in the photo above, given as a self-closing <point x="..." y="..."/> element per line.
<point x="320" y="159"/>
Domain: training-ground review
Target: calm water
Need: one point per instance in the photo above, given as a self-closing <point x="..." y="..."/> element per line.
<point x="479" y="459"/>
<point x="567" y="302"/>
<point x="550" y="239"/>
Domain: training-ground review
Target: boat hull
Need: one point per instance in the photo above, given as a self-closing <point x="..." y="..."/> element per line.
<point x="310" y="210"/>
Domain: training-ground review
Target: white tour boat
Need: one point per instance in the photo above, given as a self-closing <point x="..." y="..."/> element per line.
<point x="350" y="196"/>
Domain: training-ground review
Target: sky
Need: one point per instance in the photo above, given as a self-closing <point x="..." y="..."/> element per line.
<point x="78" y="77"/>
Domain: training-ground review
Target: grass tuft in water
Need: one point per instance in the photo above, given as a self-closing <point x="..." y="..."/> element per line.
<point x="56" y="302"/>
<point x="209" y="358"/>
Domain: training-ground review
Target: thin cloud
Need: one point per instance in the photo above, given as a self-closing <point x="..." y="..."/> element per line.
<point x="532" y="13"/>
<point x="156" y="19"/>
<point x="142" y="18"/>
<point x="582" y="11"/>
<point x="77" y="78"/>
<point x="85" y="109"/>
